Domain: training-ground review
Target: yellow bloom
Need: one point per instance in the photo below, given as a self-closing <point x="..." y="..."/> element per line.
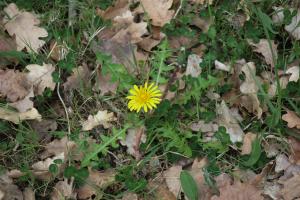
<point x="146" y="97"/>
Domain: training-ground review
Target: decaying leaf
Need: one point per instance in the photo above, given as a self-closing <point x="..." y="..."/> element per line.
<point x="17" y="117"/>
<point x="160" y="13"/>
<point x="40" y="77"/>
<point x="282" y="163"/>
<point x="101" y="118"/>
<point x="120" y="7"/>
<point x="149" y="43"/>
<point x="58" y="51"/>
<point x="8" y="190"/>
<point x="130" y="196"/>
<point x="96" y="180"/>
<point x="239" y="191"/>
<point x="294" y="71"/>
<point x="134" y="137"/>
<point x="226" y="119"/>
<point x="204" y="127"/>
<point x="104" y="84"/>
<point x="295" y="150"/>
<point x="292" y="119"/>
<point x="44" y="128"/>
<point x="28" y="194"/>
<point x="263" y="48"/>
<point x="249" y="88"/>
<point x="222" y="66"/>
<point x="80" y="77"/>
<point x="25" y="104"/>
<point x="247" y="143"/>
<point x="172" y="178"/>
<point x="63" y="190"/>
<point x="193" y="67"/>
<point x="13" y="85"/>
<point x="132" y="33"/>
<point x="24" y="25"/>
<point x="291" y="187"/>
<point x="58" y="146"/>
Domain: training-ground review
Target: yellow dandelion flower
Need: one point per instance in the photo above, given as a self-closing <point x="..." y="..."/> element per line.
<point x="146" y="97"/>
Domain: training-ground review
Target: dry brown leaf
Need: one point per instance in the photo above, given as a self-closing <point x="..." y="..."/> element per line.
<point x="227" y="119"/>
<point x="247" y="143"/>
<point x="13" y="85"/>
<point x="28" y="194"/>
<point x="58" y="146"/>
<point x="295" y="150"/>
<point x="239" y="191"/>
<point x="291" y="187"/>
<point x="6" y="43"/>
<point x="130" y="196"/>
<point x="96" y="180"/>
<point x="24" y="25"/>
<point x="292" y="119"/>
<point x="17" y="117"/>
<point x="161" y="191"/>
<point x="193" y="66"/>
<point x="132" y="33"/>
<point x="134" y="137"/>
<point x="101" y="118"/>
<point x="201" y="23"/>
<point x="58" y="51"/>
<point x="25" y="104"/>
<point x="63" y="190"/>
<point x="263" y="48"/>
<point x="177" y="42"/>
<point x="250" y="88"/>
<point x="160" y="13"/>
<point x="149" y="43"/>
<point x="282" y="163"/>
<point x="80" y="77"/>
<point x="44" y="128"/>
<point x="104" y="84"/>
<point x="40" y="77"/>
<point x="204" y="127"/>
<point x="294" y="71"/>
<point x="172" y="178"/>
<point x="119" y="7"/>
<point x="222" y="66"/>
<point x="9" y="191"/>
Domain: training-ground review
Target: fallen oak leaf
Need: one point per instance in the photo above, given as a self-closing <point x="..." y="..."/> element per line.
<point x="40" y="77"/>
<point x="291" y="187"/>
<point x="79" y="77"/>
<point x="101" y="118"/>
<point x="172" y="178"/>
<point x="17" y="117"/>
<point x="132" y="33"/>
<point x="25" y="104"/>
<point x="160" y="13"/>
<point x="24" y="25"/>
<point x="292" y="119"/>
<point x="14" y="85"/>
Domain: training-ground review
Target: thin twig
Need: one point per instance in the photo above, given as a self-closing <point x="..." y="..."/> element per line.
<point x="179" y="8"/>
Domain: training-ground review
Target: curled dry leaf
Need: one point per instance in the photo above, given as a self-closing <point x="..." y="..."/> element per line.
<point x="63" y="190"/>
<point x="292" y="119"/>
<point x="263" y="48"/>
<point x="247" y="143"/>
<point x="17" y="117"/>
<point x="13" y="85"/>
<point x="294" y="71"/>
<point x="227" y="119"/>
<point x="222" y="66"/>
<point x="134" y="137"/>
<point x="291" y="187"/>
<point x="8" y="190"/>
<point x="24" y="25"/>
<point x="80" y="77"/>
<point x="160" y="13"/>
<point x="239" y="191"/>
<point x="172" y="178"/>
<point x="250" y="88"/>
<point x="41" y="77"/>
<point x="193" y="67"/>
<point x="96" y="180"/>
<point x="101" y="118"/>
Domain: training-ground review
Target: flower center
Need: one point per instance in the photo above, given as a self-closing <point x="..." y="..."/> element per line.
<point x="143" y="97"/>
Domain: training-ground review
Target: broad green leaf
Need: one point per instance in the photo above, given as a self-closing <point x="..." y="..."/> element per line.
<point x="189" y="186"/>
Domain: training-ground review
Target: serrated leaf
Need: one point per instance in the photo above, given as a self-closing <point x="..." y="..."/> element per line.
<point x="189" y="185"/>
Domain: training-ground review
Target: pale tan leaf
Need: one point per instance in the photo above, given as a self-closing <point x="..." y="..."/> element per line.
<point x="25" y="104"/>
<point x="282" y="163"/>
<point x="132" y="33"/>
<point x="247" y="143"/>
<point x="291" y="187"/>
<point x="294" y="71"/>
<point x="295" y="150"/>
<point x="40" y="77"/>
<point x="119" y="7"/>
<point x="239" y="191"/>
<point x="193" y="66"/>
<point x="134" y="137"/>
<point x="263" y="48"/>
<point x="24" y="25"/>
<point x="160" y="13"/>
<point x="96" y="180"/>
<point x="63" y="190"/>
<point x="105" y="85"/>
<point x="227" y="119"/>
<point x="249" y="86"/>
<point x="172" y="178"/>
<point x="8" y="190"/>
<point x="292" y="119"/>
<point x="130" y="196"/>
<point x="28" y="194"/>
<point x="101" y="118"/>
<point x="78" y="79"/>
<point x="204" y="127"/>
<point x="149" y="42"/>
<point x="222" y="66"/>
<point x="17" y="117"/>
<point x="13" y="85"/>
<point x="58" y="146"/>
